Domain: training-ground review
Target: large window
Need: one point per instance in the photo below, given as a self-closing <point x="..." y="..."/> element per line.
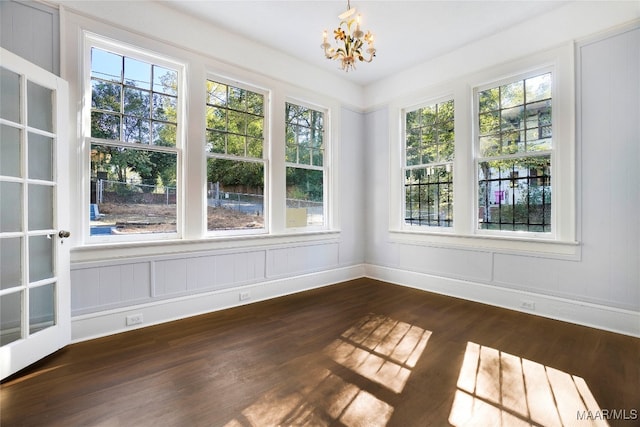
<point x="134" y="143"/>
<point x="305" y="166"/>
<point x="235" y="158"/>
<point x="514" y="143"/>
<point x="428" y="169"/>
<point x="511" y="161"/>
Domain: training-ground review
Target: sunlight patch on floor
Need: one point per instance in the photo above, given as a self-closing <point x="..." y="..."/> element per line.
<point x="499" y="389"/>
<point x="380" y="349"/>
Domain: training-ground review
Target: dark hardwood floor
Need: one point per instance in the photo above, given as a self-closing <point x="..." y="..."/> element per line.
<point x="361" y="353"/>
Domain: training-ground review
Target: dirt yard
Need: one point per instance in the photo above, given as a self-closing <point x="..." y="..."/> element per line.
<point x="162" y="218"/>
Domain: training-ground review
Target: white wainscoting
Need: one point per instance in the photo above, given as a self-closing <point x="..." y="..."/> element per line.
<point x="110" y="322"/>
<point x="165" y="287"/>
<point x="593" y="315"/>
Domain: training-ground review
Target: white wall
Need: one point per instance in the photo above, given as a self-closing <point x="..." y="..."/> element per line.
<point x="169" y="280"/>
<point x="601" y="286"/>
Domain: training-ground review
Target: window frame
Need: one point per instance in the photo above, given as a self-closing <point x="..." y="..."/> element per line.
<point x="91" y="40"/>
<point x="564" y="243"/>
<point x="264" y="160"/>
<point x="327" y="178"/>
<point x="477" y="158"/>
<point x="405" y="167"/>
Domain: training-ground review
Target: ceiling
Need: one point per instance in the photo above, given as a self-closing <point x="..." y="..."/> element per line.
<point x="406" y="32"/>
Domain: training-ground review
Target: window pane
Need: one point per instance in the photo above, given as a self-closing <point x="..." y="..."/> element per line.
<point x="216" y="93"/>
<point x="40" y="107"/>
<point x="10" y="157"/>
<point x="41" y="307"/>
<point x="304" y="197"/>
<point x="136" y="130"/>
<point x="235" y="195"/>
<point x="429" y="196"/>
<point x="164" y="134"/>
<point x="105" y="96"/>
<point x="137" y="73"/>
<point x="165" y="80"/>
<point x="134" y="191"/>
<point x="489" y="100"/>
<point x="106" y="65"/>
<point x="512" y="94"/>
<point x="304" y="127"/>
<point x="105" y="126"/>
<point x="515" y="194"/>
<point x="10" y="207"/>
<point x="40" y="157"/>
<point x="40" y="207"/>
<point x="216" y="142"/>
<point x="10" y="99"/>
<point x="137" y="102"/>
<point x="538" y="87"/>
<point x="10" y="262"/>
<point x="40" y="258"/>
<point x="164" y="107"/>
<point x="10" y="318"/>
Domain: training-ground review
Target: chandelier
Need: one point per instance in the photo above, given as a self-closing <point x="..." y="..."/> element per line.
<point x="350" y="41"/>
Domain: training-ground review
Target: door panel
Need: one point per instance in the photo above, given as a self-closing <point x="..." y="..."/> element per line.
<point x="34" y="261"/>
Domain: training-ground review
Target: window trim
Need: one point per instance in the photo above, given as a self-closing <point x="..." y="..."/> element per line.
<point x="89" y="41"/>
<point x="564" y="243"/>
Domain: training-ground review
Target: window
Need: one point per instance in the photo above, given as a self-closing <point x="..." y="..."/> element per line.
<point x="235" y="150"/>
<point x="514" y="141"/>
<point x="305" y="166"/>
<point x="134" y="142"/>
<point x="428" y="169"/>
<point x="513" y="155"/>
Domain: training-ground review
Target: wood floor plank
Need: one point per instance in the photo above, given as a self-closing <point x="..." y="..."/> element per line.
<point x="358" y="353"/>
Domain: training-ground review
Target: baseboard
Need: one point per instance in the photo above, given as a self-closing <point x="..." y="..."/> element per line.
<point x="593" y="315"/>
<point x="95" y="325"/>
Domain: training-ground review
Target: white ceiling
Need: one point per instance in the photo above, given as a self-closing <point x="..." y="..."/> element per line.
<point x="406" y="32"/>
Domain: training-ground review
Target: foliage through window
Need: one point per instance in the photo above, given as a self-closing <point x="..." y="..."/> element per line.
<point x="235" y="157"/>
<point x="514" y="161"/>
<point x="428" y="170"/>
<point x="134" y="145"/>
<point x="305" y="165"/>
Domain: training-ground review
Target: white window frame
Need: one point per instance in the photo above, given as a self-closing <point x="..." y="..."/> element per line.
<point x="326" y="166"/>
<point x="563" y="241"/>
<point x="552" y="235"/>
<point x="91" y="40"/>
<point x="265" y="160"/>
<point x="405" y="167"/>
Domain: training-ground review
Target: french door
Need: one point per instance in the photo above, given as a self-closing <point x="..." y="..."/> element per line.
<point x="35" y="314"/>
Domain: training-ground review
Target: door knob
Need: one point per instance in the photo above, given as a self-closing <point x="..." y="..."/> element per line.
<point x="63" y="234"/>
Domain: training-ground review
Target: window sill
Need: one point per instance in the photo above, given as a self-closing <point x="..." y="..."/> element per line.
<point x="112" y="250"/>
<point x="537" y="247"/>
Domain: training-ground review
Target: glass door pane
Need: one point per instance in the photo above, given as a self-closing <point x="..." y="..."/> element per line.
<point x="10" y="99"/>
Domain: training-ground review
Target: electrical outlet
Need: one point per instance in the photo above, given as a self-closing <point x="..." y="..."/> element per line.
<point x="245" y="295"/>
<point x="134" y="319"/>
<point x="528" y="305"/>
